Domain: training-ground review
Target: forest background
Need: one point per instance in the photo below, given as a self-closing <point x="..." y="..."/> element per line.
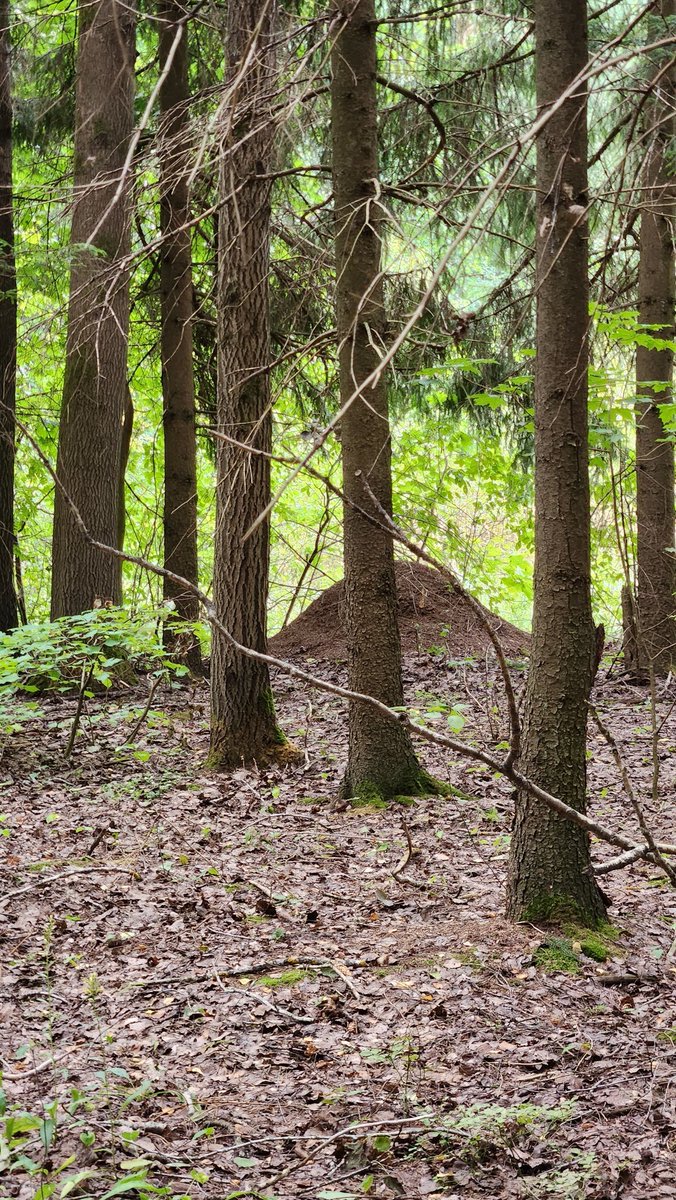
<point x="462" y="388"/>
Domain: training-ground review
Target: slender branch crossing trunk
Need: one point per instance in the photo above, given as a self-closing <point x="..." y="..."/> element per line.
<point x="381" y="762"/>
<point x="656" y="561"/>
<point x="243" y="724"/>
<point x="178" y="391"/>
<point x="550" y="866"/>
<point x="8" y="599"/>
<point x="95" y="383"/>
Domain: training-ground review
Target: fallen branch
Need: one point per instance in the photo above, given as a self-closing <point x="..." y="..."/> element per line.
<point x="473" y="603"/>
<point x="628" y="786"/>
<point x="504" y="767"/>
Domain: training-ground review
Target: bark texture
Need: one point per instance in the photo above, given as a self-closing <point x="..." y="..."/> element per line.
<point x="381" y="762"/>
<point x="178" y="391"/>
<point x="550" y="875"/>
<point x="95" y="382"/>
<point x="8" y="599"/>
<point x="656" y="561"/>
<point x="243" y="724"/>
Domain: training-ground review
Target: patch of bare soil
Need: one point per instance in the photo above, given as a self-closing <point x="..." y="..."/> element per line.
<point x="215" y="986"/>
<point x="430" y="614"/>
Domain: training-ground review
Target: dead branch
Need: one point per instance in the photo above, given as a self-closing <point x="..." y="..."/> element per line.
<point x="477" y="609"/>
<point x="628" y="786"/>
<point x="504" y="767"/>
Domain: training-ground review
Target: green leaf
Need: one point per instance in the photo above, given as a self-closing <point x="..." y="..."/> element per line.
<point x="73" y="1181"/>
<point x="129" y="1183"/>
<point x="44" y="1191"/>
<point x="382" y="1143"/>
<point x="330" y="1194"/>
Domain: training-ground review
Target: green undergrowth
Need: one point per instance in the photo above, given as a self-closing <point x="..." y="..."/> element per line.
<point x="564" y="952"/>
<point x="287" y="978"/>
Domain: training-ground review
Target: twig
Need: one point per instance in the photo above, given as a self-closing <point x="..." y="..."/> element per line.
<point x="632" y="797"/>
<point x="85" y="680"/>
<point x="151" y="696"/>
<point x="47" y="1062"/>
<point x="46" y="880"/>
<point x="408" y="855"/>
<point x="261" y="999"/>
<point x="504" y="767"/>
<point x="477" y="609"/>
<point x="622" y="860"/>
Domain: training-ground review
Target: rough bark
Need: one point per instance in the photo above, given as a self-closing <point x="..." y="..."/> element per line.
<point x="178" y="392"/>
<point x="550" y="867"/>
<point x="243" y="724"/>
<point x="8" y="600"/>
<point x="656" y="561"/>
<point x="95" y="382"/>
<point x="381" y="762"/>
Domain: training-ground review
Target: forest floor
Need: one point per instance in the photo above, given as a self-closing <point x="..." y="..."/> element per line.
<point x="214" y="986"/>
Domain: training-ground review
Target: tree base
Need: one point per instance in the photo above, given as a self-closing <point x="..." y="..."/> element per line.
<point x="230" y="750"/>
<point x="369" y="793"/>
<point x="558" y="909"/>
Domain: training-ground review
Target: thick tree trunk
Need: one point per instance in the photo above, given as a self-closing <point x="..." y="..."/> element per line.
<point x="381" y="762"/>
<point x="8" y="601"/>
<point x="656" y="561"/>
<point x="178" y="393"/>
<point x="95" y="383"/>
<point x="550" y="875"/>
<point x="243" y="725"/>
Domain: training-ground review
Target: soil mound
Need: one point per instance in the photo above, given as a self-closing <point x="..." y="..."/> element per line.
<point x="430" y="614"/>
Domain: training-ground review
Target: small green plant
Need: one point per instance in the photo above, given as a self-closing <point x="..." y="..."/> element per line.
<point x="54" y="656"/>
<point x="569" y="1182"/>
<point x="557" y="954"/>
<point x="593" y="943"/>
<point x="487" y="1128"/>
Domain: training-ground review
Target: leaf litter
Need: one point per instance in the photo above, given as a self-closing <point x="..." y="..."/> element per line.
<point x="216" y="986"/>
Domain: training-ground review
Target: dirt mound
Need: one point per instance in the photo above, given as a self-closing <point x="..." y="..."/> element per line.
<point x="430" y="614"/>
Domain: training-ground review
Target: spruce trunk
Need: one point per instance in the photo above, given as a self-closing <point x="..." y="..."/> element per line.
<point x="656" y="561"/>
<point x="243" y="724"/>
<point x="8" y="600"/>
<point x="95" y="383"/>
<point x="178" y="391"/>
<point x="381" y="762"/>
<point x="550" y="876"/>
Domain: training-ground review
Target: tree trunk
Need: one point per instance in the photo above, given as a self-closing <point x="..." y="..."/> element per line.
<point x="243" y="724"/>
<point x="550" y="875"/>
<point x="381" y="762"/>
<point x="178" y="393"/>
<point x="95" y="382"/>
<point x="656" y="561"/>
<point x="8" y="601"/>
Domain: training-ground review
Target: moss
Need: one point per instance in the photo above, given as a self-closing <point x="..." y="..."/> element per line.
<point x="272" y="747"/>
<point x="369" y="796"/>
<point x="553" y="909"/>
<point x="469" y="958"/>
<point x="596" y="943"/>
<point x="557" y="954"/>
<point x="285" y="978"/>
<point x="428" y="785"/>
<point x="266" y="707"/>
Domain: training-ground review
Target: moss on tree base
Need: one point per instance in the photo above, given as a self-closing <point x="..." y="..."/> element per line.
<point x="559" y="909"/>
<point x="369" y="793"/>
<point x="233" y="748"/>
